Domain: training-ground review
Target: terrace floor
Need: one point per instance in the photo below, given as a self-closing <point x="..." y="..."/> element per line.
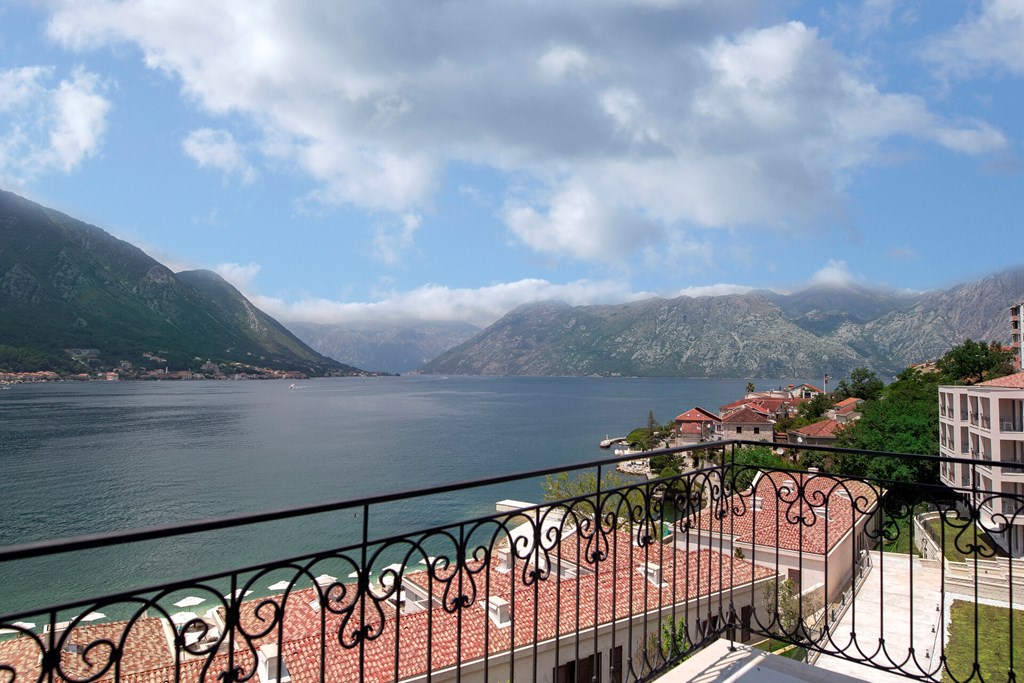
<point x="898" y="608"/>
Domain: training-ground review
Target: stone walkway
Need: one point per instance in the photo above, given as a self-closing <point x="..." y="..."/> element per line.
<point x="888" y="618"/>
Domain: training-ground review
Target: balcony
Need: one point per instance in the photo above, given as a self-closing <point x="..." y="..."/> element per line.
<point x="615" y="581"/>
<point x="1010" y="426"/>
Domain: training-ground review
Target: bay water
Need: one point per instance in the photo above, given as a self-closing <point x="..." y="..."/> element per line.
<point x="83" y="458"/>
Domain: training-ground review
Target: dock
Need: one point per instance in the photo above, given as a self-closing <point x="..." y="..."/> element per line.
<point x="607" y="443"/>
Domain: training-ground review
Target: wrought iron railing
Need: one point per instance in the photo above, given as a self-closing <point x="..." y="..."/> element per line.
<point x="611" y="580"/>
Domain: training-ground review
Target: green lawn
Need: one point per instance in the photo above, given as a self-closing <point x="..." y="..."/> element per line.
<point x="966" y="538"/>
<point x="902" y="542"/>
<point x="993" y="642"/>
<point x="783" y="649"/>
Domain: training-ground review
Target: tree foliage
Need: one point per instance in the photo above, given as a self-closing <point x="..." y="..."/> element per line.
<point x="973" y="362"/>
<point x="863" y="384"/>
<point x="748" y="461"/>
<point x="904" y="420"/>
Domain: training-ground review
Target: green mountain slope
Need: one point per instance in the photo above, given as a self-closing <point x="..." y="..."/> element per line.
<point x="65" y="284"/>
<point x="723" y="336"/>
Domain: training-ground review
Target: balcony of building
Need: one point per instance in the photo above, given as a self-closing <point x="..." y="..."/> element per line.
<point x="611" y="581"/>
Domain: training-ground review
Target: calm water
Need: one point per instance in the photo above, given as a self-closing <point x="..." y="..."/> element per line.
<point x="83" y="458"/>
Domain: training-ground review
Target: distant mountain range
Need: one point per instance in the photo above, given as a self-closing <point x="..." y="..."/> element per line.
<point x="387" y="347"/>
<point x="68" y="285"/>
<point x="760" y="334"/>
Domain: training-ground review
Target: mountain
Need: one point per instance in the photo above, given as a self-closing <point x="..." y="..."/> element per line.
<point x="823" y="309"/>
<point x="761" y="334"/>
<point x="725" y="336"/>
<point x="66" y="284"/>
<point x="385" y="347"/>
<point x="938" y="321"/>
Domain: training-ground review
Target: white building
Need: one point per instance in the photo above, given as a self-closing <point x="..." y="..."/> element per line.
<point x="985" y="423"/>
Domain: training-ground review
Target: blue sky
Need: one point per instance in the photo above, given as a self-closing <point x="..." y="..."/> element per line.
<point x="451" y="160"/>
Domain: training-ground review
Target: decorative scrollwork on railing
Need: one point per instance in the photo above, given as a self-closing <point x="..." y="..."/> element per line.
<point x="660" y="567"/>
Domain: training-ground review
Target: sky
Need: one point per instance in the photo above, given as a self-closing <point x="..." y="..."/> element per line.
<point x="450" y="160"/>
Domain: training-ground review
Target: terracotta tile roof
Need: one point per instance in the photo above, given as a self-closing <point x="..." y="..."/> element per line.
<point x="765" y="405"/>
<point x="822" y="429"/>
<point x="697" y="414"/>
<point x="1015" y="381"/>
<point x="746" y="415"/>
<point x="852" y="401"/>
<point x="692" y="428"/>
<point x="145" y="647"/>
<point x="436" y="638"/>
<point x="790" y="510"/>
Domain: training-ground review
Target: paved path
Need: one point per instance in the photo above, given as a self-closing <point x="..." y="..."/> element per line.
<point x="886" y="608"/>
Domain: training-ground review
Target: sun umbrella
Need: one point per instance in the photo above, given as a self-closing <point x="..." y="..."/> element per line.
<point x="237" y="594"/>
<point x="325" y="579"/>
<point x="179" y="618"/>
<point x="18" y="624"/>
<point x="93" y="616"/>
<point x="429" y="560"/>
<point x="190" y="601"/>
<point x="280" y="586"/>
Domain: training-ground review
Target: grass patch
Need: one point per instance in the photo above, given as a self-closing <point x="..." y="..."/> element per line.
<point x="993" y="642"/>
<point x="901" y="544"/>
<point x="782" y="648"/>
<point x="964" y="537"/>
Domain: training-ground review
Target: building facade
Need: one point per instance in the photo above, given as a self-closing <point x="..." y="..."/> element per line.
<point x="985" y="423"/>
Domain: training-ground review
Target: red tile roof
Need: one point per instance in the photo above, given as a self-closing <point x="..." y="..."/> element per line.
<point x="1009" y="382"/>
<point x="746" y="415"/>
<point x="852" y="401"/>
<point x="823" y="429"/>
<point x="765" y="405"/>
<point x="435" y="638"/>
<point x="773" y="513"/>
<point x="697" y="414"/>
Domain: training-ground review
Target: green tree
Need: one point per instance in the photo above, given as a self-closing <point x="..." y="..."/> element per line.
<point x="780" y="599"/>
<point x="973" y="362"/>
<point x="751" y="388"/>
<point x="674" y="641"/>
<point x="863" y="384"/>
<point x="814" y="409"/>
<point x="619" y="495"/>
<point x="904" y="420"/>
<point x="748" y="461"/>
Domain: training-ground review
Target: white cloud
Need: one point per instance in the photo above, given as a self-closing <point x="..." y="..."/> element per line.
<point x="578" y="223"/>
<point x="622" y="127"/>
<point x="218" y="149"/>
<point x="44" y="129"/>
<point x="721" y="289"/>
<point x="241" y="276"/>
<point x="991" y="38"/>
<point x="389" y="243"/>
<point x="834" y="273"/>
<point x="562" y="60"/>
<point x="480" y="306"/>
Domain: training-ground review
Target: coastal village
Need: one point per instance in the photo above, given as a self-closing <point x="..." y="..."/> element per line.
<point x="149" y="369"/>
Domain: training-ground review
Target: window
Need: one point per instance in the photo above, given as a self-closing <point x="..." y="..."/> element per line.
<point x="615" y="655"/>
<point x="582" y="670"/>
<point x="739" y="430"/>
<point x="757" y="430"/>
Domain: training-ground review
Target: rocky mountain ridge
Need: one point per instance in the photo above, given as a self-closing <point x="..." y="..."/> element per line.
<point x="759" y="334"/>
